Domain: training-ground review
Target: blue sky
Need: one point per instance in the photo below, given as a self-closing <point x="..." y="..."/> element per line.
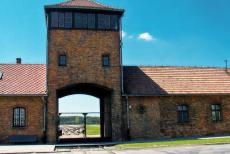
<point x="79" y="103"/>
<point x="156" y="32"/>
<point x="184" y="32"/>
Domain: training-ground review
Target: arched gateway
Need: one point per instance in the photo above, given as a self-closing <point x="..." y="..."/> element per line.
<point x="104" y="96"/>
<point x="84" y="56"/>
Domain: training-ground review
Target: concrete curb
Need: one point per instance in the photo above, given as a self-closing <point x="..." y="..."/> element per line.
<point x="8" y="149"/>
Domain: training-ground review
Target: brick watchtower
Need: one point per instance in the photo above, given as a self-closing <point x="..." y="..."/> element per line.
<point x="84" y="57"/>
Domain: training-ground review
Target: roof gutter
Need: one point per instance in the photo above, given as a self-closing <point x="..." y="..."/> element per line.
<point x="168" y="95"/>
<point x="127" y="116"/>
<point x="45" y="118"/>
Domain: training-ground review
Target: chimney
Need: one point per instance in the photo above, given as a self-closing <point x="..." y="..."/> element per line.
<point x="18" y="60"/>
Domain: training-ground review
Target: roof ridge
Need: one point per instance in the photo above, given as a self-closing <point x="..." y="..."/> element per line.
<point x="69" y="1"/>
<point x="99" y="3"/>
<point x="80" y="4"/>
<point x="171" y="66"/>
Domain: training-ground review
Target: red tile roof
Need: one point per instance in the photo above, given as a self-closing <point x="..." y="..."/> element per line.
<point x="88" y="4"/>
<point x="27" y="79"/>
<point x="23" y="79"/>
<point x="175" y="80"/>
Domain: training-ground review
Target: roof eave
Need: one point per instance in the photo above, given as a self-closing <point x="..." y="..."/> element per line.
<point x="48" y="7"/>
<point x="23" y="95"/>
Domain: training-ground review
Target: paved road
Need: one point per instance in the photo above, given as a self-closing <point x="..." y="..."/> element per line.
<point x="202" y="149"/>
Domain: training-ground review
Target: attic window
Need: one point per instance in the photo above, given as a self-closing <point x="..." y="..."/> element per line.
<point x="1" y="75"/>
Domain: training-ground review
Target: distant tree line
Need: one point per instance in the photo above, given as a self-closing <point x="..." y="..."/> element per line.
<point x="78" y="120"/>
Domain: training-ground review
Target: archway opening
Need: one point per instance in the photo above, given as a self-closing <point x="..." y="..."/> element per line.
<point x="84" y="112"/>
<point x="79" y="117"/>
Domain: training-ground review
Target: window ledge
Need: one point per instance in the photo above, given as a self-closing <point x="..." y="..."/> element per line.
<point x="19" y="127"/>
<point x="183" y="123"/>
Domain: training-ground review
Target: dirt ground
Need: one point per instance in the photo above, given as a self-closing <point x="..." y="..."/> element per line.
<point x="74" y="131"/>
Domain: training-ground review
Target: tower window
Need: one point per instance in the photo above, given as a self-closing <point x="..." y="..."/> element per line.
<point x="62" y="60"/>
<point x="114" y="22"/>
<point x="19" y="115"/>
<point x="91" y="21"/>
<point x="61" y="20"/>
<point x="105" y="61"/>
<point x="81" y="20"/>
<point x="216" y="112"/>
<point x="101" y="21"/>
<point x="54" y="19"/>
<point x="107" y="22"/>
<point x="68" y="20"/>
<point x="182" y="113"/>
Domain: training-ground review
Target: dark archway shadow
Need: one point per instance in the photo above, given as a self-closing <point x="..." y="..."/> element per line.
<point x="84" y="88"/>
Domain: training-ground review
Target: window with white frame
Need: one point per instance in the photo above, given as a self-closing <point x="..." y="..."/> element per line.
<point x="19" y="117"/>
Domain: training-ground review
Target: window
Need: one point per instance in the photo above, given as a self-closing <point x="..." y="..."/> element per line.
<point x="61" y="20"/>
<point x="182" y="113"/>
<point x="19" y="115"/>
<point x="86" y="21"/>
<point x="54" y="19"/>
<point x="81" y="20"/>
<point x="101" y="21"/>
<point x="114" y="22"/>
<point x="68" y="20"/>
<point x="107" y="21"/>
<point x="62" y="61"/>
<point x="91" y="21"/>
<point x="105" y="61"/>
<point x="216" y="112"/>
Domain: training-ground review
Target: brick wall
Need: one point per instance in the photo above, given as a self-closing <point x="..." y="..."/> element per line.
<point x="200" y="122"/>
<point x="160" y="118"/>
<point x="144" y="124"/>
<point x="34" y="117"/>
<point x="84" y="50"/>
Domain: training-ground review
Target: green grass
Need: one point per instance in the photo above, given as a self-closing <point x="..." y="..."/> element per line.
<point x="173" y="143"/>
<point x="93" y="129"/>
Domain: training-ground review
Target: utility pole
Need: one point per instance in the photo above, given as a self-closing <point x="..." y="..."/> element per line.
<point x="226" y="62"/>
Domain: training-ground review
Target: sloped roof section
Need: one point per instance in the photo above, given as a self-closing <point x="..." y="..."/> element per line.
<point x="175" y="80"/>
<point x="23" y="79"/>
<point x="83" y="4"/>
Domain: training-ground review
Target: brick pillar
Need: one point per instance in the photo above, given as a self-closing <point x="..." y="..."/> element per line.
<point x="52" y="122"/>
<point x="116" y="117"/>
<point x="107" y="117"/>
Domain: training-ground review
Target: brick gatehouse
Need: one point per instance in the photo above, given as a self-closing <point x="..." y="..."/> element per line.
<point x="84" y="56"/>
